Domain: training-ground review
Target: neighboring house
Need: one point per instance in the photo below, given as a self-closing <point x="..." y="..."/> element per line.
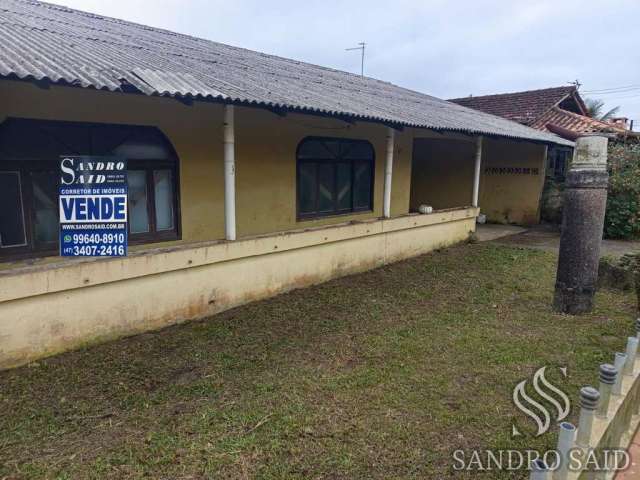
<point x="559" y="110"/>
<point x="249" y="174"/>
<point x="527" y="107"/>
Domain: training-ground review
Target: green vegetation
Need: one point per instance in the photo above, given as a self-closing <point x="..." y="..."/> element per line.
<point x="380" y="375"/>
<point x="623" y="202"/>
<point x="595" y="109"/>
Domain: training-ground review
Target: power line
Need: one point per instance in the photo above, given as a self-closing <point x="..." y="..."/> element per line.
<point x="614" y="89"/>
<point x="614" y="99"/>
<point x="616" y="92"/>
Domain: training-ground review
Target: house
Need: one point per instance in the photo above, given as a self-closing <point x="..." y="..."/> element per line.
<point x="559" y="110"/>
<point x="527" y="107"/>
<point x="248" y="174"/>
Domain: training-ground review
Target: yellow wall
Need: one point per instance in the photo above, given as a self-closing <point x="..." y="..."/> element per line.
<point x="442" y="173"/>
<point x="194" y="131"/>
<point x="442" y="176"/>
<point x="47" y="310"/>
<point x="265" y="153"/>
<point x="266" y="168"/>
<point x="64" y="304"/>
<point x="512" y="198"/>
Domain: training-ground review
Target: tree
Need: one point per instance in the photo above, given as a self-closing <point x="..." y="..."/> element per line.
<point x="595" y="109"/>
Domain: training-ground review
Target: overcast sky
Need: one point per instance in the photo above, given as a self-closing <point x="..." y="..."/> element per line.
<point x="443" y="48"/>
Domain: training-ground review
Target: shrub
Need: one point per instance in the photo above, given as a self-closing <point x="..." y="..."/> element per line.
<point x="622" y="219"/>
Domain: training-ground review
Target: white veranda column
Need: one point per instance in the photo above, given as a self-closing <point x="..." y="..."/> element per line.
<point x="476" y="172"/>
<point x="229" y="174"/>
<point x="388" y="172"/>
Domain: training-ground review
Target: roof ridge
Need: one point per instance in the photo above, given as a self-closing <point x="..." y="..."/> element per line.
<point x="568" y="88"/>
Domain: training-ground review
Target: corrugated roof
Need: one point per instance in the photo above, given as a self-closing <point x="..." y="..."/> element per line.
<point x="46" y="42"/>
<point x="522" y="107"/>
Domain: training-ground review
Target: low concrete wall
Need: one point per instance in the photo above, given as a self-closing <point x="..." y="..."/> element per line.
<point x="617" y="430"/>
<point x="52" y="308"/>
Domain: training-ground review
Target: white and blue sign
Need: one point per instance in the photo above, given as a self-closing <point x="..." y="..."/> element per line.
<point x="93" y="206"/>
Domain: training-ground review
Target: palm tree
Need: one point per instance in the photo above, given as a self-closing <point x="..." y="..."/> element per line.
<point x="595" y="109"/>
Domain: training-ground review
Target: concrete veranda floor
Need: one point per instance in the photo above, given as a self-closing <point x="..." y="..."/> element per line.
<point x="543" y="237"/>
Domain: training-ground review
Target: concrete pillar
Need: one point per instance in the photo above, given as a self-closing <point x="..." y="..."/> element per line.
<point x="632" y="353"/>
<point x="388" y="173"/>
<point x="566" y="442"/>
<point x="476" y="172"/>
<point x="608" y="374"/>
<point x="585" y="200"/>
<point x="620" y="361"/>
<point x="229" y="174"/>
<point x="589" y="398"/>
<point x="539" y="470"/>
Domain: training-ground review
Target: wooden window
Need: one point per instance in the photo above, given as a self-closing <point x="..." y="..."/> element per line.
<point x="12" y="222"/>
<point x="152" y="202"/>
<point x="29" y="212"/>
<point x="335" y="177"/>
<point x="30" y="152"/>
<point x="559" y="159"/>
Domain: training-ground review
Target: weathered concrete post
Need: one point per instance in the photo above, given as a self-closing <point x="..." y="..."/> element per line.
<point x="585" y="200"/>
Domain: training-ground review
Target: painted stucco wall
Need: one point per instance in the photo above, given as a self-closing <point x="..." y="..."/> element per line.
<point x="265" y="153"/>
<point x="57" y="304"/>
<point x="442" y="173"/>
<point x="49" y="309"/>
<point x="197" y="141"/>
<point x="512" y="197"/>
<point x="443" y="177"/>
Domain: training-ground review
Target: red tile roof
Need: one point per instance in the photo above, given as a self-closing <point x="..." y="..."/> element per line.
<point x="545" y="110"/>
<point x="523" y="107"/>
<point x="557" y="117"/>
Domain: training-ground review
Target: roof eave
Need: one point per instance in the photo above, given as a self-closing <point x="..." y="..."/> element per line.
<point x="45" y="82"/>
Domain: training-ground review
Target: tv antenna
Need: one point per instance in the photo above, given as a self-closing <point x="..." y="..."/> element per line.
<point x="361" y="47"/>
<point x="576" y="83"/>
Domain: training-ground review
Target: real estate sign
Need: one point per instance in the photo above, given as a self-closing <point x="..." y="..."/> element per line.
<point x="93" y="206"/>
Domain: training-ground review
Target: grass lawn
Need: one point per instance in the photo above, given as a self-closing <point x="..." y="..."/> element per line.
<point x="378" y="375"/>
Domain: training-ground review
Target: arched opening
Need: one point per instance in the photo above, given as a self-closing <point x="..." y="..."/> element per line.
<point x="30" y="152"/>
<point x="335" y="176"/>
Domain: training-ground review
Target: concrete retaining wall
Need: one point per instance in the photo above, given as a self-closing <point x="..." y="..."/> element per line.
<point x="48" y="309"/>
